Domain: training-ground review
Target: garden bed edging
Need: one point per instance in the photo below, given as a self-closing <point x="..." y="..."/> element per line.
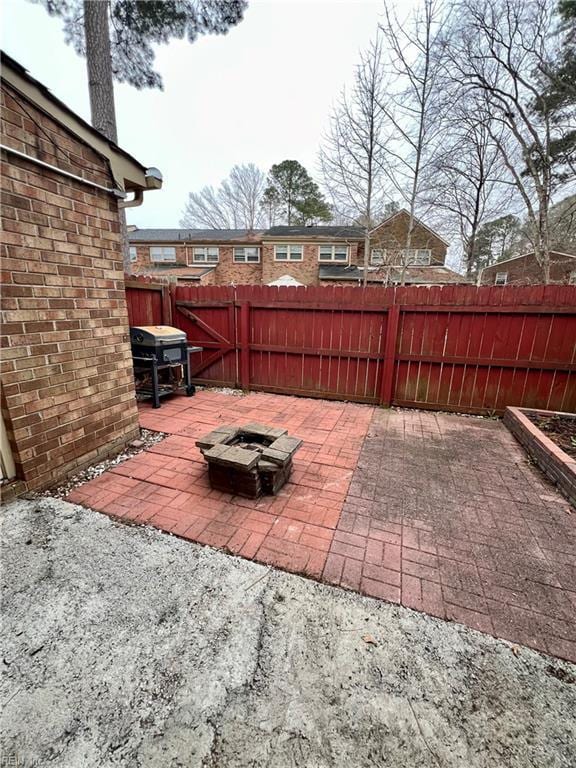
<point x="556" y="464"/>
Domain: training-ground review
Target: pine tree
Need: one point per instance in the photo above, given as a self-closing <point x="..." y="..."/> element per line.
<point x="116" y="36"/>
<point x="295" y="195"/>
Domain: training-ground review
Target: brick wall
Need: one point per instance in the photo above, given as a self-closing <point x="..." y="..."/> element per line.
<point x="305" y="271"/>
<point x="527" y="271"/>
<point x="68" y="395"/>
<point x="392" y="237"/>
<point x="551" y="459"/>
<point x="228" y="272"/>
<point x="143" y="262"/>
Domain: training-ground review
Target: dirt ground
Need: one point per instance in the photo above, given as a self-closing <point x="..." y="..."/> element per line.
<point x="124" y="646"/>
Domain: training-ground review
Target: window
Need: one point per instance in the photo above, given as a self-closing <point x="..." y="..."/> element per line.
<point x="501" y="278"/>
<point x="418" y="257"/>
<point x="572" y="278"/>
<point x="245" y="255"/>
<point x="377" y="256"/>
<point x="208" y="255"/>
<point x="288" y="252"/>
<point x="333" y="253"/>
<point x="163" y="253"/>
<point x="133" y="253"/>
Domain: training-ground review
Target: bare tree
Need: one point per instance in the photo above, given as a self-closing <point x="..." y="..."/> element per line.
<point x="469" y="176"/>
<point x="352" y="156"/>
<point x="415" y="63"/>
<point x="236" y="204"/>
<point x="503" y="53"/>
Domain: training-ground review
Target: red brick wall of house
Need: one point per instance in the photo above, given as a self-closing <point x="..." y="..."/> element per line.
<point x="67" y="385"/>
<point x="305" y="271"/>
<point x="527" y="271"/>
<point x="392" y="237"/>
<point x="227" y="270"/>
<point x="143" y="263"/>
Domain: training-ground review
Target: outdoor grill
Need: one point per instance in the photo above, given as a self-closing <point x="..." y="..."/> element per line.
<point x="162" y="342"/>
<point x="161" y="363"/>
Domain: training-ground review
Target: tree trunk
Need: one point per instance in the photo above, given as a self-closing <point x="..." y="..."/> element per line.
<point x="99" y="65"/>
<point x="101" y="88"/>
<point x="366" y="257"/>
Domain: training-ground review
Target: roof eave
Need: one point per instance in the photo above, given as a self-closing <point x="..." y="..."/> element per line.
<point x="127" y="172"/>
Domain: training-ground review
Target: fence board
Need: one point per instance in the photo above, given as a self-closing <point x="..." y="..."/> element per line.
<point x="457" y="348"/>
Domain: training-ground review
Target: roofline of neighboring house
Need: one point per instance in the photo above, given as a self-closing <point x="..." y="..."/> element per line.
<point x="523" y="256"/>
<point x="241" y="241"/>
<point x="311" y="238"/>
<point x="419" y="221"/>
<point x="127" y="172"/>
<point x="373" y="269"/>
<point x="265" y="237"/>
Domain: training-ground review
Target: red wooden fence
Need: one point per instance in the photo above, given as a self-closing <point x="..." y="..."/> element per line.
<point x="456" y="348"/>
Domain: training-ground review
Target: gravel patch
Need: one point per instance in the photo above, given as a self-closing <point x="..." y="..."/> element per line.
<point x="127" y="647"/>
<point x="147" y="439"/>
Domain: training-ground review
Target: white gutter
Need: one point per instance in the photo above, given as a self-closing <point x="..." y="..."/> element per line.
<point x="110" y="190"/>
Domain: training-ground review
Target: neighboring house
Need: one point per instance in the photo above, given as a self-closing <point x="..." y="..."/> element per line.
<point x="525" y="270"/>
<point x="67" y="382"/>
<point x="322" y="255"/>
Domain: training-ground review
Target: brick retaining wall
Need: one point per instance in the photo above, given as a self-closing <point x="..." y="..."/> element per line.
<point x="551" y="459"/>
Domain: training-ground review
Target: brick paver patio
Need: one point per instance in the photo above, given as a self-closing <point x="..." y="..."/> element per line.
<point x="440" y="513"/>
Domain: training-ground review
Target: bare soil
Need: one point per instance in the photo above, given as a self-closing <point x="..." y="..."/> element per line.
<point x="560" y="429"/>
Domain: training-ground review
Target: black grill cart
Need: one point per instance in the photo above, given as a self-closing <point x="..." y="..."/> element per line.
<point x="160" y="355"/>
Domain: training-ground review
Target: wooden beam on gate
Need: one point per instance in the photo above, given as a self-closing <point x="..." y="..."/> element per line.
<point x="208" y="360"/>
<point x="201" y="324"/>
<point x="387" y="383"/>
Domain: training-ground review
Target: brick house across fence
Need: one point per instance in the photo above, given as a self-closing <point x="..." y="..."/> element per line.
<point x="525" y="270"/>
<point x="67" y="383"/>
<point x="323" y="255"/>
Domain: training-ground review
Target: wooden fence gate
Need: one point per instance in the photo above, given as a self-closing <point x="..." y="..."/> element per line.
<point x="458" y="348"/>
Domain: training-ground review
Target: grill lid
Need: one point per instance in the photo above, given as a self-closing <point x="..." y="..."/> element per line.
<point x="156" y="334"/>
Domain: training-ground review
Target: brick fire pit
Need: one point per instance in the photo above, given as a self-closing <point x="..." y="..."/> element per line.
<point x="249" y="461"/>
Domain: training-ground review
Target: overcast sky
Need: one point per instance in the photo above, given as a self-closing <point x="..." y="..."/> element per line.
<point x="262" y="93"/>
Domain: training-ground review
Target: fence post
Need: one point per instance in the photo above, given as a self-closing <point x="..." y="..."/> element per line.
<point x="387" y="384"/>
<point x="167" y="318"/>
<point x="244" y="344"/>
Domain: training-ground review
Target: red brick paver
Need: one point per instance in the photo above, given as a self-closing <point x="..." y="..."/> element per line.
<point x="445" y="515"/>
<point x="442" y="514"/>
<point x="167" y="486"/>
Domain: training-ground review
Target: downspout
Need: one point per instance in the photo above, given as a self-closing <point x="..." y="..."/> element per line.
<point x="137" y="200"/>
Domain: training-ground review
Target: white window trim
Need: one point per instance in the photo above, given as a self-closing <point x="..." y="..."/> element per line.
<point x="501" y="274"/>
<point x="133" y="254"/>
<point x="162" y="248"/>
<point x="205" y="248"/>
<point x="289" y="246"/>
<point x="332" y="259"/>
<point x="416" y="251"/>
<point x="245" y="260"/>
<point x="382" y="257"/>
